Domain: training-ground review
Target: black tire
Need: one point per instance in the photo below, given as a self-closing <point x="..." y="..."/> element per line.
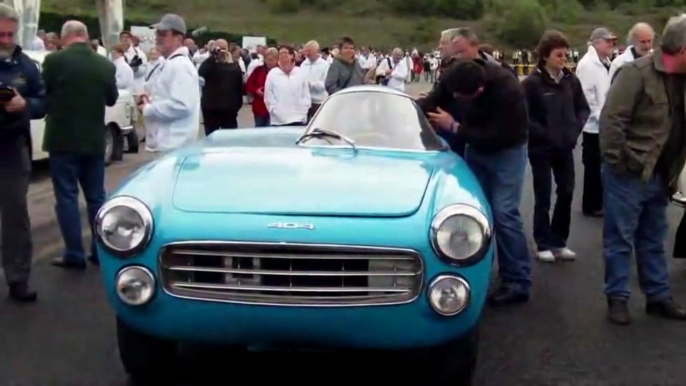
<point x="110" y="138"/>
<point x="132" y="142"/>
<point x="118" y="149"/>
<point x="147" y="359"/>
<point x="455" y="362"/>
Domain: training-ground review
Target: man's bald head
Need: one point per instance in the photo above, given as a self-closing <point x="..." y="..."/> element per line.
<point x="642" y="36"/>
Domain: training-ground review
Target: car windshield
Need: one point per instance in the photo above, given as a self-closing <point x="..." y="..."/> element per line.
<point x="374" y="119"/>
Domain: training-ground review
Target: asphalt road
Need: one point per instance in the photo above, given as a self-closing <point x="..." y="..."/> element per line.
<point x="560" y="338"/>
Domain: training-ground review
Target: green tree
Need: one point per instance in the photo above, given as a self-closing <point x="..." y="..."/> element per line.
<point x="522" y="23"/>
<point x="283" y="6"/>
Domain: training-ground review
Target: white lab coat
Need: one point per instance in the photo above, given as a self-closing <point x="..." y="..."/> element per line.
<point x="172" y="118"/>
<point x="626" y="57"/>
<point x="315" y="72"/>
<point x="139" y="74"/>
<point x="38" y="44"/>
<point x="124" y="75"/>
<point x="152" y="69"/>
<point x="398" y="76"/>
<point x="199" y="57"/>
<point x="595" y="82"/>
<point x="287" y="96"/>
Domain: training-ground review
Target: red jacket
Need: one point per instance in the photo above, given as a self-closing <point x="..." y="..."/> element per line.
<point x="256" y="81"/>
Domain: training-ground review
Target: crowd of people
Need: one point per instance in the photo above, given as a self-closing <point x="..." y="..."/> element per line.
<point x="629" y="113"/>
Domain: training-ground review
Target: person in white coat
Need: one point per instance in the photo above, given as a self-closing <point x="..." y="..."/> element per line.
<point x="593" y="72"/>
<point x="132" y="52"/>
<point x="124" y="72"/>
<point x="641" y="38"/>
<point x="171" y="107"/>
<point x="315" y="69"/>
<point x="286" y="91"/>
<point x="394" y="69"/>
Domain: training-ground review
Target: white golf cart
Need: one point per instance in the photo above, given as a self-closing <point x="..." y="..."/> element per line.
<point x="119" y="124"/>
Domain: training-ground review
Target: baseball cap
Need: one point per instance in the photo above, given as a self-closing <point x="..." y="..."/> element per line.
<point x="171" y="22"/>
<point x="602" y="33"/>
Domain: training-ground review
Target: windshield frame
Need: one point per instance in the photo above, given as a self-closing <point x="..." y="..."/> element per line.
<point x="368" y="89"/>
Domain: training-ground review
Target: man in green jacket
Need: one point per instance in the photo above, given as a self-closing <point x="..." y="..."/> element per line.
<point x="79" y="83"/>
<point x="642" y="142"/>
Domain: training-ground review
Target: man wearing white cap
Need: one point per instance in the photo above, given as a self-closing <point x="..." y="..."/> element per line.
<point x="171" y="107"/>
<point x="593" y="72"/>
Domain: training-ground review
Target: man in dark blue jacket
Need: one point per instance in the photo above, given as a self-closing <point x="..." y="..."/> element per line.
<point x="22" y="98"/>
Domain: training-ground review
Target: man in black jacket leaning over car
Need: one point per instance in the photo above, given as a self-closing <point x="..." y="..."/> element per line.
<point x="22" y="98"/>
<point x="558" y="111"/>
<point x="493" y="124"/>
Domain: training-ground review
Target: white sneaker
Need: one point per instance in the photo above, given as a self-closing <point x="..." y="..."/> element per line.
<point x="565" y="254"/>
<point x="546" y="256"/>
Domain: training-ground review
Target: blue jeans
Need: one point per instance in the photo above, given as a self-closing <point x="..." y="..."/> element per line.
<point x="261" y="121"/>
<point x="68" y="171"/>
<point x="501" y="175"/>
<point x="635" y="220"/>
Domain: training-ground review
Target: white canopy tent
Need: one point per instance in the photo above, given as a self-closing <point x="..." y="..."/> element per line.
<point x="110" y="14"/>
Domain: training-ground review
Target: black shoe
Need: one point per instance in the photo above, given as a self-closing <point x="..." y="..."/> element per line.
<point x="94" y="259"/>
<point x="666" y="309"/>
<point x="618" y="311"/>
<point x="61" y="262"/>
<point x="20" y="292"/>
<point x="505" y="296"/>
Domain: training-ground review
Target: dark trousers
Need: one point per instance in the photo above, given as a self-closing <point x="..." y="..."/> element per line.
<point x="68" y="171"/>
<point x="635" y="223"/>
<point x="17" y="249"/>
<point x="501" y="176"/>
<point x="312" y="111"/>
<point x="261" y="121"/>
<point x="593" y="185"/>
<point x="219" y="119"/>
<point x="557" y="165"/>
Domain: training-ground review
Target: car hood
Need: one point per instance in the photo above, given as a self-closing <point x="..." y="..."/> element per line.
<point x="301" y="182"/>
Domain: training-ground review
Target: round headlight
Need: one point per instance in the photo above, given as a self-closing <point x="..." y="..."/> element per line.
<point x="135" y="285"/>
<point x="449" y="295"/>
<point x="124" y="225"/>
<point x="460" y="233"/>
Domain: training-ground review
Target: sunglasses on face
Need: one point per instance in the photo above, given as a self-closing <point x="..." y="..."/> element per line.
<point x="6" y="34"/>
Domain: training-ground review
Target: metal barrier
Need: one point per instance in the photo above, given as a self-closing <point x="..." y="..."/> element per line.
<point x="527" y="69"/>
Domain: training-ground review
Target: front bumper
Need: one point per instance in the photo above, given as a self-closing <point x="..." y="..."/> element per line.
<point x="402" y="326"/>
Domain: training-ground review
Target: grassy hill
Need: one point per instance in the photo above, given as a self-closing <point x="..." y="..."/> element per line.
<point x="370" y="22"/>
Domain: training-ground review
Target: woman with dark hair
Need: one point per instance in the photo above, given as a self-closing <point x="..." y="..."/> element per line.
<point x="557" y="112"/>
<point x="286" y="91"/>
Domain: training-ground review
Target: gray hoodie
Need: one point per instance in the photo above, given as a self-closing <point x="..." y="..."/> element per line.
<point x="343" y="75"/>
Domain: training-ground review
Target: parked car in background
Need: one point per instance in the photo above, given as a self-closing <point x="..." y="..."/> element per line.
<point x="119" y="124"/>
<point x="362" y="231"/>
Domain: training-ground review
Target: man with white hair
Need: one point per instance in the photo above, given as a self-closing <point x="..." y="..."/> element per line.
<point x="315" y="69"/>
<point x="79" y="84"/>
<point x="171" y="108"/>
<point x="642" y="132"/>
<point x="593" y="72"/>
<point x="23" y="100"/>
<point x="641" y="38"/>
<point x="393" y="70"/>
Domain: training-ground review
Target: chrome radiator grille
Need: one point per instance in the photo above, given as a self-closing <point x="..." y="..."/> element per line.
<point x="291" y="274"/>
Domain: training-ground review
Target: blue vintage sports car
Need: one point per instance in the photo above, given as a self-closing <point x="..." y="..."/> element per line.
<point x="360" y="231"/>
